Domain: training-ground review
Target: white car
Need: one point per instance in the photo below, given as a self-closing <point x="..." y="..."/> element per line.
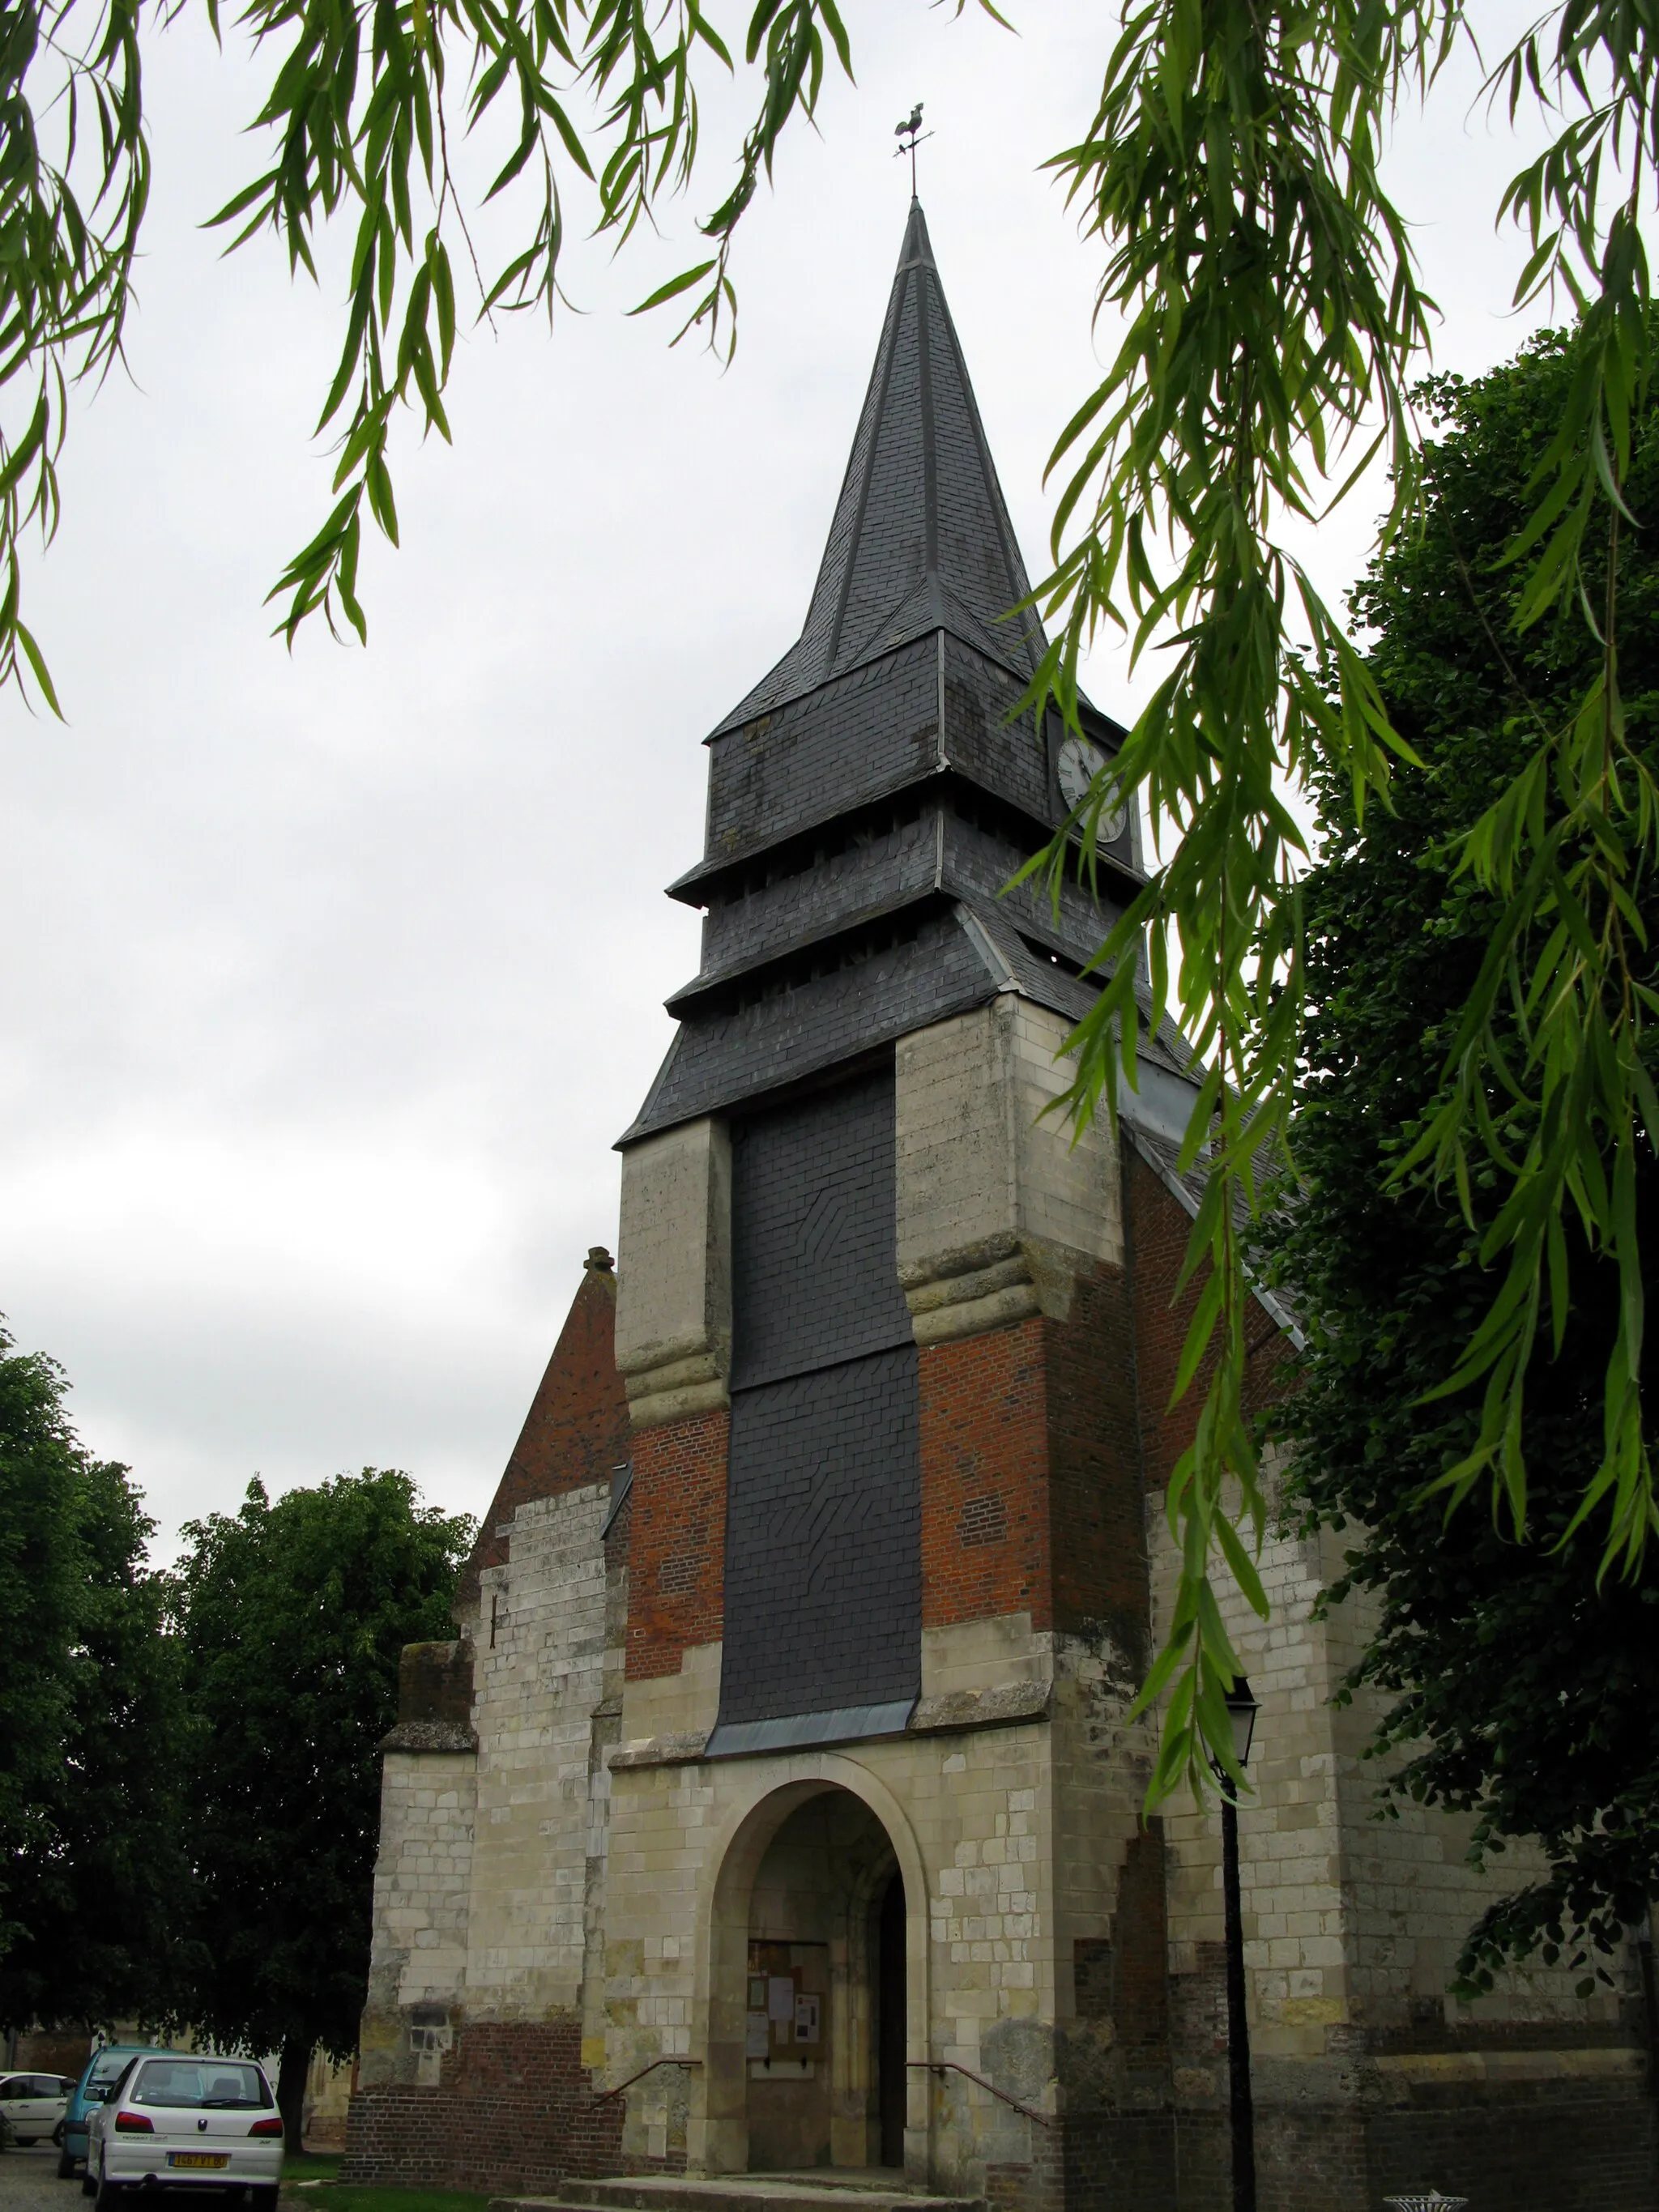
<point x="34" y="2104"/>
<point x="182" y="2123"/>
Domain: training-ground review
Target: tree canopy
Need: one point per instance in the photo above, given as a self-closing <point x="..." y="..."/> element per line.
<point x="1523" y="1682"/>
<point x="189" y="1772"/>
<point x="292" y="1619"/>
<point x="1272" y="321"/>
<point x="89" y="1725"/>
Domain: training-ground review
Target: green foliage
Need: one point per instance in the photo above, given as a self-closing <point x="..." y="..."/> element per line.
<point x="293" y="1617"/>
<point x="89" y="1725"/>
<point x="1231" y="172"/>
<point x="1523" y="1682"/>
<point x="594" y="96"/>
<point x="66" y="252"/>
<point x="39" y="1562"/>
<point x="1272" y="321"/>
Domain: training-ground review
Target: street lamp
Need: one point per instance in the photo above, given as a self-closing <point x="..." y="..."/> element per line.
<point x="1241" y="1710"/>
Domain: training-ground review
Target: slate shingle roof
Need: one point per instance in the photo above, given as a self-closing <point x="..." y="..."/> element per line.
<point x="872" y="798"/>
<point x="921" y="539"/>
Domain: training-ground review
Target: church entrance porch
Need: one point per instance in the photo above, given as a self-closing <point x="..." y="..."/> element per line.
<point x="824" y="2011"/>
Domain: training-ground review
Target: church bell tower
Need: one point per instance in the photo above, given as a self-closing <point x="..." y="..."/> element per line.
<point x="886" y="1545"/>
<point x="833" y="1170"/>
<point x="775" y="1810"/>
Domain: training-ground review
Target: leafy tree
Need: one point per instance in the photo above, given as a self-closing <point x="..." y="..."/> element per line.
<point x="89" y="1724"/>
<point x="1524" y="1679"/>
<point x="39" y="1564"/>
<point x="292" y="1618"/>
<point x="1272" y="322"/>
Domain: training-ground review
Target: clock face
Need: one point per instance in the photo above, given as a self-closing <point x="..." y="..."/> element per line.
<point x="1078" y="765"/>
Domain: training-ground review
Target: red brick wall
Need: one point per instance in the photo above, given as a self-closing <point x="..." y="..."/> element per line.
<point x="985" y="1533"/>
<point x="1030" y="1482"/>
<point x="51" y="2050"/>
<point x="677" y="1542"/>
<point x="1140" y="1980"/>
<point x="514" y="2110"/>
<point x="576" y="1429"/>
<point x="1095" y="1479"/>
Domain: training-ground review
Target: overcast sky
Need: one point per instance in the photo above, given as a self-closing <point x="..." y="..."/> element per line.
<point x="329" y="980"/>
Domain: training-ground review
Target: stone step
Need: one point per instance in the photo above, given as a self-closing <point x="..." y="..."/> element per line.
<point x="878" y="2191"/>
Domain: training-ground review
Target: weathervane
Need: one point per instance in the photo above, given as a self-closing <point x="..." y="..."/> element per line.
<point x="910" y="134"/>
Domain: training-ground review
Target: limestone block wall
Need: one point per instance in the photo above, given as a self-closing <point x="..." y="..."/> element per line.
<point x="1097" y="1765"/>
<point x="1359" y="1919"/>
<point x="969" y="1816"/>
<point x="1352" y="1925"/>
<point x="1101" y="1767"/>
<point x="677" y="1708"/>
<point x="674" y="1273"/>
<point x="1013" y="1841"/>
<point x="477" y="2045"/>
<point x="998" y="1210"/>
<point x="540" y="1670"/>
<point x="422" y="1888"/>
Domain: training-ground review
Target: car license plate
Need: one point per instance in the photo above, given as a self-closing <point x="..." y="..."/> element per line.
<point x="198" y="2159"/>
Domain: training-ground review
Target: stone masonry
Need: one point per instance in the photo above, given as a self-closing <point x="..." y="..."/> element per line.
<point x="776" y="1803"/>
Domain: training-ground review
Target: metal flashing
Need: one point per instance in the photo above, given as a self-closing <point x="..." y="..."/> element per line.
<point x="846" y="1724"/>
<point x="620" y="1493"/>
<point x="980" y="939"/>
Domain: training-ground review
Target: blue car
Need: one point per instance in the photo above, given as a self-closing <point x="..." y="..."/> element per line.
<point x="98" y="2077"/>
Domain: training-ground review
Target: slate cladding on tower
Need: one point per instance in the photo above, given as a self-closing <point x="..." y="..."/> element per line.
<point x="814" y="1279"/>
<point x="822" y="1579"/>
<point x="870" y="799"/>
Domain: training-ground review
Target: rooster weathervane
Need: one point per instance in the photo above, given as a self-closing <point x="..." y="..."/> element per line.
<point x="910" y="134"/>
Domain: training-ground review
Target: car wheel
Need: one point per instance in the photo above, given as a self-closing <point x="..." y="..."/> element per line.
<point x="65" y="2166"/>
<point x="264" y="2200"/>
<point x="58" y="2133"/>
<point x="108" y="2192"/>
<point x="89" y="2179"/>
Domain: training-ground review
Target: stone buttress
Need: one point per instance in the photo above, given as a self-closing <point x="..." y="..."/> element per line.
<point x="777" y="1807"/>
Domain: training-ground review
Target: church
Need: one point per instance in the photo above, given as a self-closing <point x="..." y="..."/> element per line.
<point x="775" y="1811"/>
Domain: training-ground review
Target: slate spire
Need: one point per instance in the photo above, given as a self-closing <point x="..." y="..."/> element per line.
<point x="871" y="800"/>
<point x="921" y="539"/>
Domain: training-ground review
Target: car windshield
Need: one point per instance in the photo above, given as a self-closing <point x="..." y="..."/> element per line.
<point x="215" y="2084"/>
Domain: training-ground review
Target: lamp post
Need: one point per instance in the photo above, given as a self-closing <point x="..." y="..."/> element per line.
<point x="1241" y="1711"/>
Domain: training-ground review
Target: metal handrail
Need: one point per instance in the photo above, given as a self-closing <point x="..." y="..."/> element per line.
<point x="950" y="2066"/>
<point x="927" y="2065"/>
<point x="605" y="2095"/>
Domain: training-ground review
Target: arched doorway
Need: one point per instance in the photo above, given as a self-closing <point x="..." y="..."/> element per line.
<point x="816" y="1986"/>
<point x="813" y="2040"/>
